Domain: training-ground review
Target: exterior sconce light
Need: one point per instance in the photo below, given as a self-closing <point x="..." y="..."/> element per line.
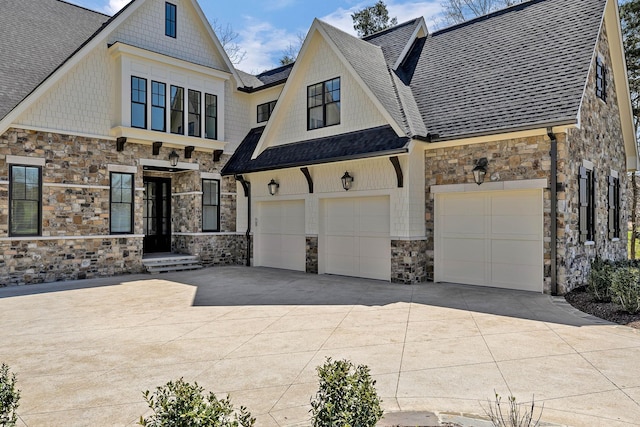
<point x="480" y="170"/>
<point x="273" y="187"/>
<point x="347" y="180"/>
<point x="173" y="158"/>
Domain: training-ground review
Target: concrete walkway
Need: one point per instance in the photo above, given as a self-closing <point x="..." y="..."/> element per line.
<point x="84" y="351"/>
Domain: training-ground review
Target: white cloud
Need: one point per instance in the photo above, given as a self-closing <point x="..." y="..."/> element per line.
<point x="264" y="45"/>
<point x="404" y="11"/>
<point x="114" y="6"/>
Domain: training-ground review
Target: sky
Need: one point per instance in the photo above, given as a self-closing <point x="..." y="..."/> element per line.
<point x="266" y="28"/>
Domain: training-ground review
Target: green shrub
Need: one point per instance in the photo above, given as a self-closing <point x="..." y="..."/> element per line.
<point x="599" y="280"/>
<point x="180" y="404"/>
<point x="625" y="288"/>
<point x="346" y="396"/>
<point x="514" y="415"/>
<point x="9" y="397"/>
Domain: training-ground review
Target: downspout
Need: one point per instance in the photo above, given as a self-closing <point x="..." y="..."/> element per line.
<point x="246" y="185"/>
<point x="553" y="186"/>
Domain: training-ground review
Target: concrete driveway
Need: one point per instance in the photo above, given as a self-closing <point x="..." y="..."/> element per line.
<point x="84" y="351"/>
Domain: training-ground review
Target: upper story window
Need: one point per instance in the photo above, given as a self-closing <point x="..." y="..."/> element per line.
<point x="587" y="214"/>
<point x="210" y="205"/>
<point x="265" y="110"/>
<point x="138" y="102"/>
<point x="614" y="206"/>
<point x="194" y="113"/>
<point x="177" y="110"/>
<point x="25" y="200"/>
<point x="121" y="203"/>
<point x="158" y="106"/>
<point x="170" y="11"/>
<point x="323" y="104"/>
<point x="211" y="116"/>
<point x="601" y="79"/>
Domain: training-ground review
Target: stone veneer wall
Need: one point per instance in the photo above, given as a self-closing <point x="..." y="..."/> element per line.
<point x="599" y="140"/>
<point x="214" y="249"/>
<point x="509" y="160"/>
<point x="75" y="242"/>
<point x="312" y="255"/>
<point x="408" y="261"/>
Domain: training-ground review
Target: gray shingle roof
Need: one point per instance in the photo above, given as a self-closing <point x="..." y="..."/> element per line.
<point x="37" y="37"/>
<point x="266" y="79"/>
<point x="352" y="145"/>
<point x="394" y="40"/>
<point x="523" y="66"/>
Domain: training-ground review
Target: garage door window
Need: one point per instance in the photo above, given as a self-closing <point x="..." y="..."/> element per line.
<point x="587" y="205"/>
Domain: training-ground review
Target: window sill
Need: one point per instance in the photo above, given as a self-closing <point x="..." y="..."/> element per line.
<point x="615" y="239"/>
<point x="589" y="243"/>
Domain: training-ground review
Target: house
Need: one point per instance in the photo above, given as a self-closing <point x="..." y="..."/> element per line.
<point x="458" y="155"/>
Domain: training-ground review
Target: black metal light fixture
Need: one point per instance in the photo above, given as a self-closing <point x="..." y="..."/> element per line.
<point x="173" y="158"/>
<point x="347" y="180"/>
<point x="480" y="170"/>
<point x="273" y="187"/>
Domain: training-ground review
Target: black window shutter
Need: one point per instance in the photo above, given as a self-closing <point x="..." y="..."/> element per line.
<point x="584" y="204"/>
<point x="592" y="206"/>
<point x="612" y="207"/>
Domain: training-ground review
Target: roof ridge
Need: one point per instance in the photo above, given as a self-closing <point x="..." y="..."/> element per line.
<point x="387" y="30"/>
<point x="489" y="15"/>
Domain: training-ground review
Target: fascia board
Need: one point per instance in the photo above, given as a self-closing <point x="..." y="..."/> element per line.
<point x="619" y="66"/>
<point x="421" y="26"/>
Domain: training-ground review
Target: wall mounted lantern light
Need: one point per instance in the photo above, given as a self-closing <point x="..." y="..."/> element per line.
<point x="173" y="158"/>
<point x="273" y="187"/>
<point x="347" y="180"/>
<point x="480" y="170"/>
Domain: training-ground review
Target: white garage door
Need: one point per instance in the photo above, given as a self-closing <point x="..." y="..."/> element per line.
<point x="281" y="242"/>
<point x="490" y="239"/>
<point x="356" y="238"/>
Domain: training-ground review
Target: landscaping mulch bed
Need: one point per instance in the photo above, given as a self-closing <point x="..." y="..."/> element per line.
<point x="583" y="301"/>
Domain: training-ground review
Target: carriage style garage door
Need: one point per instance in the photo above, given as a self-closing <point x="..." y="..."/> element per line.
<point x="281" y="242"/>
<point x="491" y="239"/>
<point x="355" y="237"/>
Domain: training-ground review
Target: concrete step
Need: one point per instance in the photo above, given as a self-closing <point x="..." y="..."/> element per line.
<point x="172" y="263"/>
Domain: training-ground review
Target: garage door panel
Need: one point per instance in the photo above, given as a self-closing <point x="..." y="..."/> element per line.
<point x="464" y="250"/>
<point x="490" y="238"/>
<point x="356" y="237"/>
<point x="374" y="268"/>
<point x="512" y="276"/>
<point x="516" y="252"/>
<point x="281" y="240"/>
<point x="467" y="205"/>
<point x="516" y="204"/>
<point x="520" y="224"/>
<point x="374" y="247"/>
<point x="470" y="273"/>
<point x="463" y="224"/>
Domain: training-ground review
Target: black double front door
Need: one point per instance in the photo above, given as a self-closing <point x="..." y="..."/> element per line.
<point x="157" y="215"/>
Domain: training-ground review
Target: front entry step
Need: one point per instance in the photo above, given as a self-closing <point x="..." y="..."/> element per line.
<point x="170" y="263"/>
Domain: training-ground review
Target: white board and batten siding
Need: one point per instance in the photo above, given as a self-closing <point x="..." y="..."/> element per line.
<point x="490" y="238"/>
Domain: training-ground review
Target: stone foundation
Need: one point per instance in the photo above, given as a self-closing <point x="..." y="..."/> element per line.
<point x="215" y="249"/>
<point x="39" y="261"/>
<point x="312" y="255"/>
<point x="408" y="261"/>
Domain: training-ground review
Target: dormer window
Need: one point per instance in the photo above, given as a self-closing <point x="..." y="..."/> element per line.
<point x="323" y="104"/>
<point x="170" y="19"/>
<point x="601" y="79"/>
